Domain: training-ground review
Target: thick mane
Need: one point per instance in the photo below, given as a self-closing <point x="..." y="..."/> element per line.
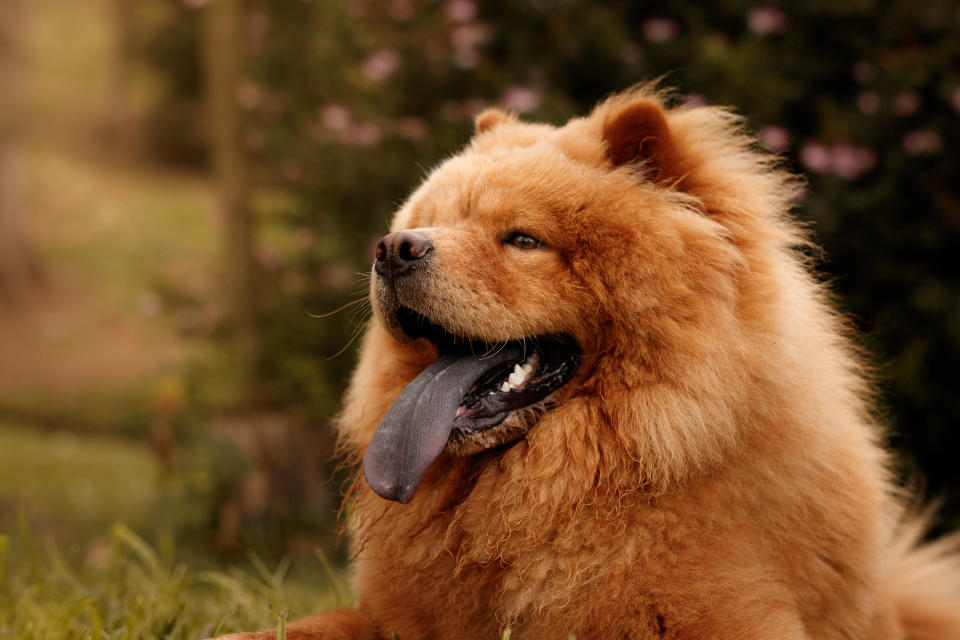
<point x="716" y="441"/>
<point x="713" y="403"/>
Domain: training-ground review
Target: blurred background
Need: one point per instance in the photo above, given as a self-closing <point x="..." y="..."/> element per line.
<point x="187" y="186"/>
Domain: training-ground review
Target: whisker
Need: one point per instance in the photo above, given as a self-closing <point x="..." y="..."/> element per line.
<point x="488" y="354"/>
<point x="327" y="315"/>
<point x="353" y="338"/>
<point x="362" y="312"/>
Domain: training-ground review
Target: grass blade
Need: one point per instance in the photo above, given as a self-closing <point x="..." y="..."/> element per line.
<point x="338" y="597"/>
<point x="282" y="626"/>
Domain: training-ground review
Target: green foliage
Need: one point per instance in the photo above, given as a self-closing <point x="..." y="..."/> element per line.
<point x="167" y="35"/>
<point x="347" y="102"/>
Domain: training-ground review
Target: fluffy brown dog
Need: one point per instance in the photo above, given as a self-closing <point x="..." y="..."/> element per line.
<point x="603" y="396"/>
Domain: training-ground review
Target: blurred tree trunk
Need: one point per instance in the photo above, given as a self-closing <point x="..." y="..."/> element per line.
<point x="19" y="265"/>
<point x="115" y="125"/>
<point x="222" y="54"/>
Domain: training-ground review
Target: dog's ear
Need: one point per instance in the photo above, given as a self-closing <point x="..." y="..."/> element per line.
<point x="639" y="132"/>
<point x="489" y="118"/>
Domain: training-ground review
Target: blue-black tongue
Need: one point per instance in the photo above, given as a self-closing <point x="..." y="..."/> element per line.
<point x="416" y="428"/>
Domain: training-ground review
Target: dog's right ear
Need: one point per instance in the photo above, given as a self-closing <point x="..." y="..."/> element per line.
<point x="639" y="132"/>
<point x="490" y="118"/>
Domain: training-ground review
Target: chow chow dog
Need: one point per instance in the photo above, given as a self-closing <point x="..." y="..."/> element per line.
<point x="603" y="396"/>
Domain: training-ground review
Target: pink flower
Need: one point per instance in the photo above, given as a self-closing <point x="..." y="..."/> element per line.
<point x="469" y="35"/>
<point x="660" y="29"/>
<point x="775" y="137"/>
<point x="906" y="103"/>
<point x="461" y="10"/>
<point x="335" y="117"/>
<point x="381" y="64"/>
<point x="520" y="99"/>
<point x="765" y="21"/>
<point x="364" y="134"/>
<point x="850" y="162"/>
<point x="922" y="141"/>
<point x="845" y="160"/>
<point x="868" y="102"/>
<point x="816" y="157"/>
<point x="466" y="38"/>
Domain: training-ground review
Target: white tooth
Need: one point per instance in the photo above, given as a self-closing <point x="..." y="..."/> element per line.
<point x="527" y="367"/>
<point x="505" y="387"/>
<point x="516" y="378"/>
<point x="517" y="368"/>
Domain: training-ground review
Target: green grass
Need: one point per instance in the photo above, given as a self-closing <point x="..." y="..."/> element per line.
<point x="140" y="593"/>
<point x="68" y="484"/>
<point x="67" y="572"/>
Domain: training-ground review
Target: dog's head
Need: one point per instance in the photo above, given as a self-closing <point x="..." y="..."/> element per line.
<point x="546" y="263"/>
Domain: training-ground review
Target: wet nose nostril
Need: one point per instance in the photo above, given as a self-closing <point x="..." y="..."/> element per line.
<point x="381" y="251"/>
<point x="407" y="251"/>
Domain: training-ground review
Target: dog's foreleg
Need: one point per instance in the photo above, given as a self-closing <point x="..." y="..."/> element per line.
<point x="340" y="624"/>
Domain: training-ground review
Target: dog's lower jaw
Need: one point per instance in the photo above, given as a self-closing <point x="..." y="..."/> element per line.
<point x="513" y="428"/>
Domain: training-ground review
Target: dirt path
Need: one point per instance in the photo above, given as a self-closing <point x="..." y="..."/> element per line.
<point x="112" y="240"/>
<point x="69" y="336"/>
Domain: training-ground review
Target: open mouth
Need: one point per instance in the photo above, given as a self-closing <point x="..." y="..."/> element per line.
<point x="521" y="372"/>
<point x="472" y="388"/>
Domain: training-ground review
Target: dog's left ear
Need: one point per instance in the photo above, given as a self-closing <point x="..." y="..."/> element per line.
<point x="640" y="132"/>
<point x="489" y="118"/>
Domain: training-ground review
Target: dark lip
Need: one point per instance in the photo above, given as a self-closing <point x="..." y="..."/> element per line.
<point x="414" y="324"/>
<point x="559" y="358"/>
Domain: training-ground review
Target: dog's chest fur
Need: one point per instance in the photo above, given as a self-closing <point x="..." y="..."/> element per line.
<point x="548" y="574"/>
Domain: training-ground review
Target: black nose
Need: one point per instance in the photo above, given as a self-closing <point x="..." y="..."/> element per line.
<point x="398" y="252"/>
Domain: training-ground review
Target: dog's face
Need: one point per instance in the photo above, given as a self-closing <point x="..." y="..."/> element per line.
<point x="535" y="261"/>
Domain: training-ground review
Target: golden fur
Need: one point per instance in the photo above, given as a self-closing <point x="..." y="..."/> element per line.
<point x="712" y="471"/>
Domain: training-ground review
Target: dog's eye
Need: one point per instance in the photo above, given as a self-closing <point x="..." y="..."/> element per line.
<point x="522" y="241"/>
